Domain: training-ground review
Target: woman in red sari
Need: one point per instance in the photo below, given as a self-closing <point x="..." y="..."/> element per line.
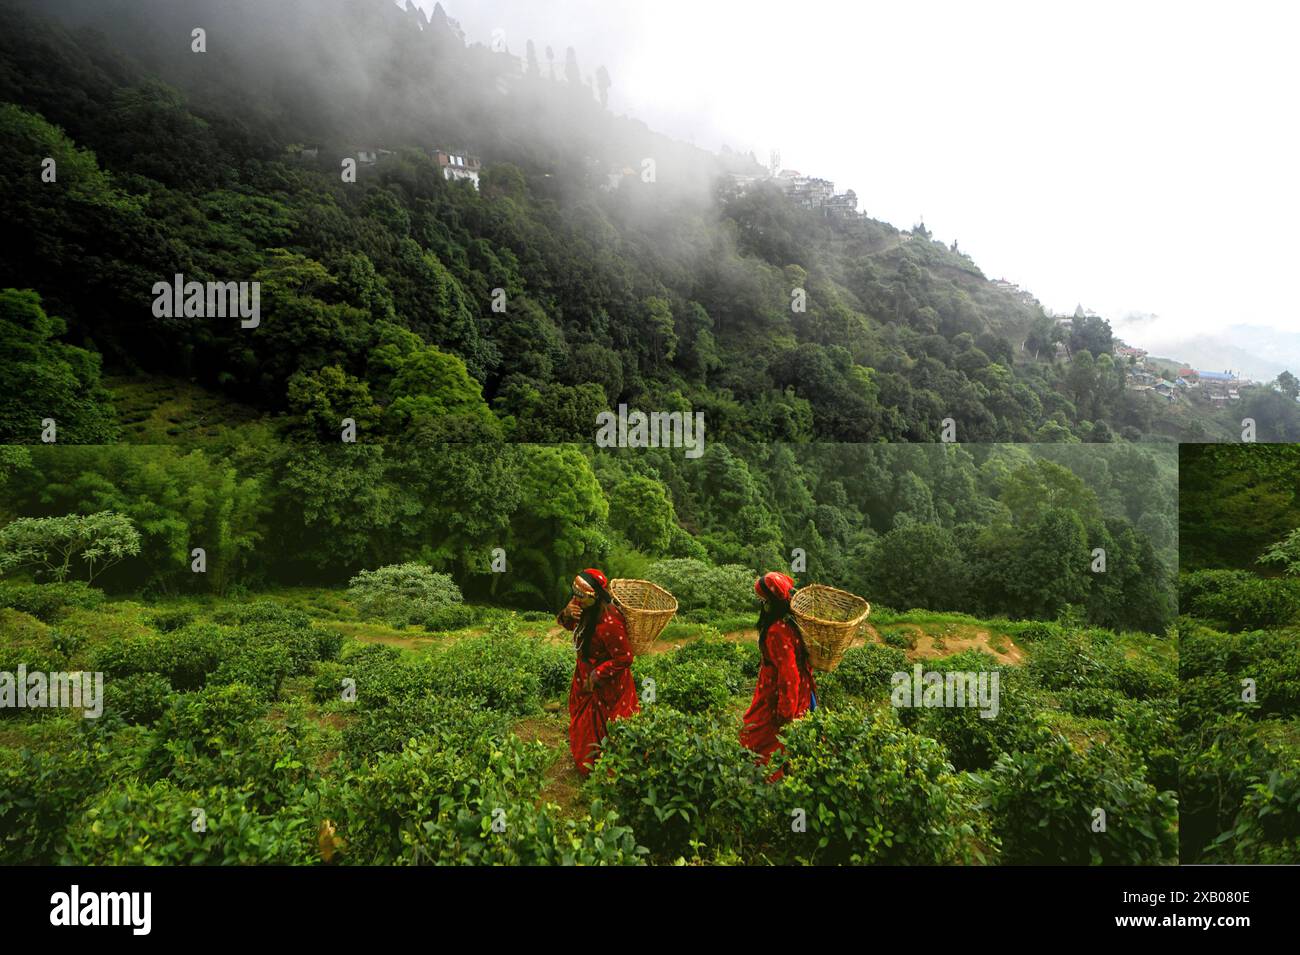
<point x="786" y="689"/>
<point x="602" y="688"/>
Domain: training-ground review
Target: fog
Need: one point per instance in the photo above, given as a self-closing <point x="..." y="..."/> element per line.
<point x="1135" y="158"/>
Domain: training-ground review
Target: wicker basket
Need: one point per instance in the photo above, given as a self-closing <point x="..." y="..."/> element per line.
<point x="646" y="607"/>
<point x="830" y="620"/>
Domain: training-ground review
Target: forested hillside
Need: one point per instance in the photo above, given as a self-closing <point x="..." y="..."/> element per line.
<point x="422" y="307"/>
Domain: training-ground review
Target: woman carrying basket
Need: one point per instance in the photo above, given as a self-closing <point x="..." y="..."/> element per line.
<point x="785" y="690"/>
<point x="602" y="687"/>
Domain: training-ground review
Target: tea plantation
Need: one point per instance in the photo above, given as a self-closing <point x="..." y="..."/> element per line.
<point x="290" y="729"/>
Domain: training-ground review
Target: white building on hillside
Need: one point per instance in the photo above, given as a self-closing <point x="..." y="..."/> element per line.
<point x="458" y="166"/>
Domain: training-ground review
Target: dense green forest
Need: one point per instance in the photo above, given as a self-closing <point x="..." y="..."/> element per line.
<point x="344" y="680"/>
<point x="1239" y="516"/>
<point x="419" y="307"/>
<point x="993" y="530"/>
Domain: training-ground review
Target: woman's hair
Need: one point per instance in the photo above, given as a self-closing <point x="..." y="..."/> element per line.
<point x="590" y="617"/>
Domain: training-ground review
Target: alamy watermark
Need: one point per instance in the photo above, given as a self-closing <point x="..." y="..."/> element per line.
<point x="952" y="688"/>
<point x="75" y="907"/>
<point x="658" y="429"/>
<point x="38" y="690"/>
<point x="182" y="299"/>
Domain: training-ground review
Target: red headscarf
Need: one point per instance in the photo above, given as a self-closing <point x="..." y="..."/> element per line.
<point x="774" y="584"/>
<point x="591" y="582"/>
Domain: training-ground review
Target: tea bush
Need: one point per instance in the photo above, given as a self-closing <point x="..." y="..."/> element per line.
<point x="40" y="793"/>
<point x="268" y="622"/>
<point x="501" y="669"/>
<point x="1240" y="601"/>
<point x="555" y="669"/>
<point x="261" y="667"/>
<point x="1142" y="678"/>
<point x="327" y="682"/>
<point x="1236" y="753"/>
<point x="436" y="801"/>
<point x="49" y="602"/>
<point x="678" y="778"/>
<point x="381" y="676"/>
<point x="1043" y="799"/>
<point x="873" y="792"/>
<point x="740" y="660"/>
<point x="205" y="724"/>
<point x="1219" y="759"/>
<point x="973" y="741"/>
<point x="137" y="699"/>
<point x="329" y="643"/>
<point x="1266" y="830"/>
<point x="898" y="637"/>
<point x="1214" y="665"/>
<point x="270" y="761"/>
<point x="452" y="617"/>
<point x="26" y="641"/>
<point x="1077" y="660"/>
<point x="864" y="672"/>
<point x="167" y="619"/>
<point x="154" y="824"/>
<point x="1093" y="702"/>
<point x="386" y="729"/>
<point x="1149" y="728"/>
<point x="185" y="657"/>
<point x="686" y="686"/>
<point x="20" y="628"/>
<point x="701" y="676"/>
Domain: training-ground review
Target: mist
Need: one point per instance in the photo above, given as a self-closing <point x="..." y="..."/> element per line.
<point x="1131" y="158"/>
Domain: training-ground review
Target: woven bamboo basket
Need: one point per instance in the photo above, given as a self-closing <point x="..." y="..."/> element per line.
<point x="830" y="620"/>
<point x="646" y="607"/>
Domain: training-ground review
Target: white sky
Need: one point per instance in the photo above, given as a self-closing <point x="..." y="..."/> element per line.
<point x="1135" y="156"/>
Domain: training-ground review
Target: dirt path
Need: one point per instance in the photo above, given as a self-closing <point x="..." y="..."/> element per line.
<point x="956" y="637"/>
<point x="561" y="782"/>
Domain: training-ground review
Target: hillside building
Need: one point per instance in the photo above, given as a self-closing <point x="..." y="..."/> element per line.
<point x="811" y="193"/>
<point x="369" y="155"/>
<point x="1015" y="291"/>
<point x="843" y="206"/>
<point x="808" y="192"/>
<point x="457" y="166"/>
<point x="1218" y="387"/>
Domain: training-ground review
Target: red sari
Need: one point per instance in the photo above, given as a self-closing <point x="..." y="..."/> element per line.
<point x="609" y="657"/>
<point x="783" y="694"/>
